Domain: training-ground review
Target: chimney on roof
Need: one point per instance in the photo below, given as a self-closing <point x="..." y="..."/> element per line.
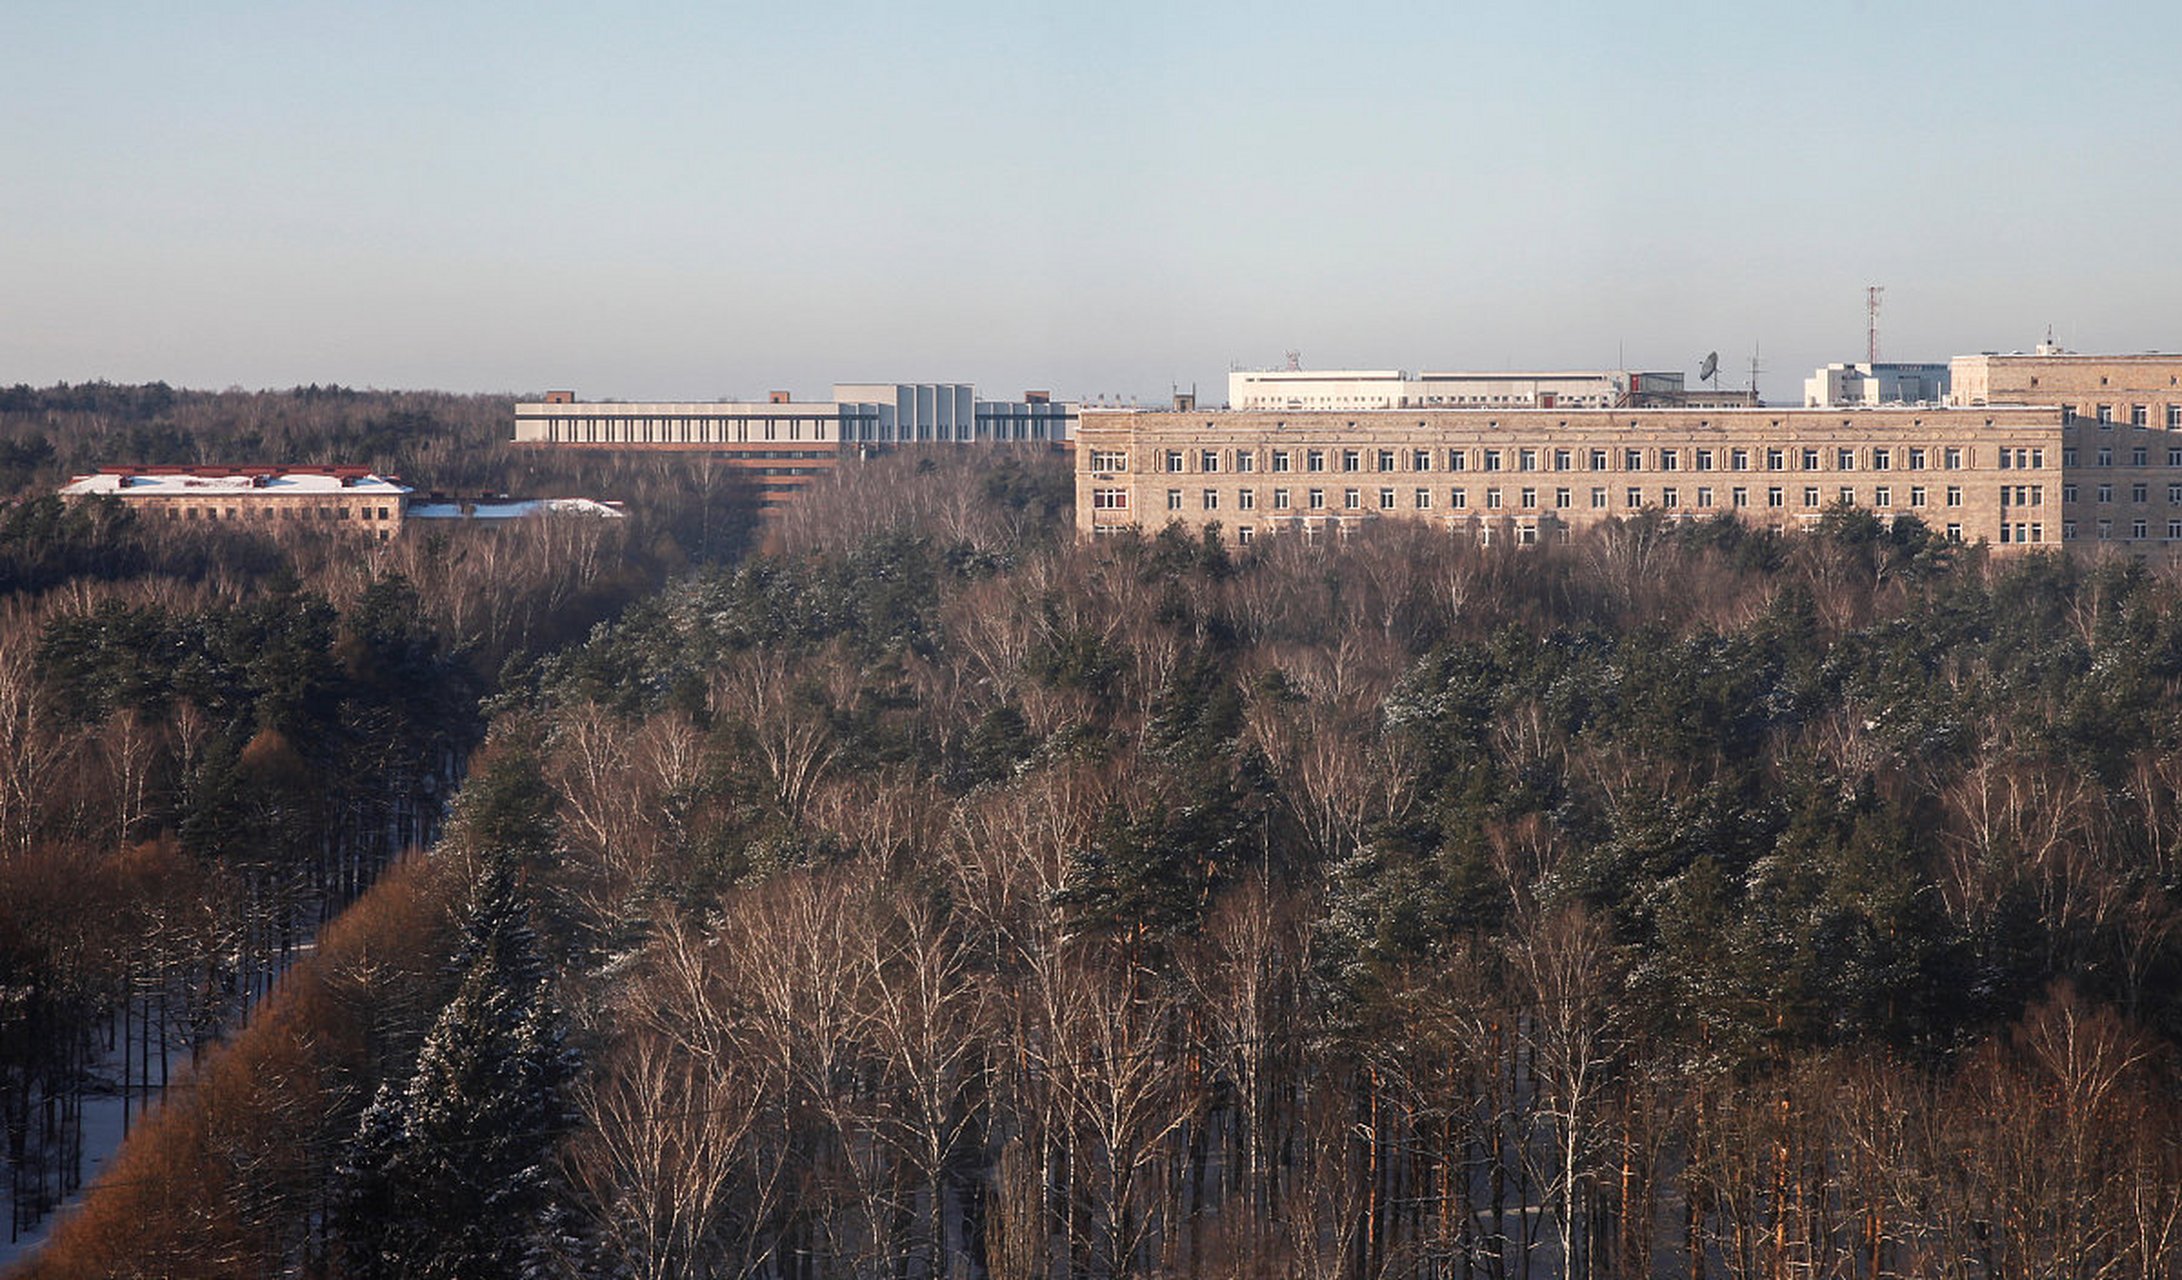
<point x="777" y="397"/>
<point x="1038" y="397"/>
<point x="560" y="397"/>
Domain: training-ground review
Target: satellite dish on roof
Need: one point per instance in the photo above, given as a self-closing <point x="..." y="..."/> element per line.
<point x="1709" y="367"/>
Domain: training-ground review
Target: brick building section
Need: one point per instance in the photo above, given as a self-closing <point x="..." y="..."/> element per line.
<point x="1980" y="475"/>
<point x="352" y="500"/>
<point x="2121" y="438"/>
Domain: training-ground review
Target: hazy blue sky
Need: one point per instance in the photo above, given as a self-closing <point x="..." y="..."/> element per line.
<point x="704" y="199"/>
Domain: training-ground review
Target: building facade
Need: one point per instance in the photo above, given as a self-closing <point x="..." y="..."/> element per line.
<point x="1976" y="475"/>
<point x="351" y="500"/>
<point x="784" y="445"/>
<point x="1838" y="385"/>
<point x="2121" y="434"/>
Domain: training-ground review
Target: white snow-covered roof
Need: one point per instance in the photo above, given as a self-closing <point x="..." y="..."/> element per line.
<point x="514" y="509"/>
<point x="200" y="484"/>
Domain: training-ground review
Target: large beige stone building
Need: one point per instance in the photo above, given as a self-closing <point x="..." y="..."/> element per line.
<point x="1988" y="474"/>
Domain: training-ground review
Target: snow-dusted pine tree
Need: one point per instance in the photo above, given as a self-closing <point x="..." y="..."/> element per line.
<point x="452" y="1172"/>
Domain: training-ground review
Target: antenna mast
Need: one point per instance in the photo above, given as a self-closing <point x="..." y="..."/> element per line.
<point x="1871" y="319"/>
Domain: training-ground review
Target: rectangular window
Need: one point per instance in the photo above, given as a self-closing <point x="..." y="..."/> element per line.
<point x="1212" y="499"/>
<point x="1775" y="496"/>
<point x="1386" y="459"/>
<point x="2068" y="531"/>
<point x="1245" y="460"/>
<point x="1208" y="460"/>
<point x="1844" y="459"/>
<point x="1810" y="459"/>
<point x="1739" y="496"/>
<point x="2136" y="457"/>
<point x="1954" y="533"/>
<point x="1564" y="498"/>
<point x="2174" y="528"/>
<point x="1457" y="459"/>
<point x="1776" y="459"/>
<point x="1810" y="495"/>
<point x="1280" y="459"/>
<point x="1315" y="499"/>
<point x="1916" y="495"/>
<point x="1109" y="461"/>
<point x="1246" y="499"/>
<point x="2068" y="493"/>
<point x="1882" y="496"/>
<point x="1174" y="499"/>
<point x="1109" y="499"/>
<point x="1848" y="496"/>
<point x="1423" y="499"/>
<point x="1352" y="460"/>
<point x="1952" y="459"/>
<point x="1458" y="499"/>
<point x="1420" y="460"/>
<point x="1598" y="459"/>
<point x="2136" y="493"/>
<point x="1598" y="498"/>
<point x="1563" y="460"/>
<point x="2106" y="493"/>
<point x="1954" y="495"/>
<point x="1244" y="535"/>
<point x="1704" y="495"/>
<point x="1916" y="459"/>
<point x="1530" y="498"/>
<point x="1492" y="499"/>
<point x="2105" y="457"/>
<point x="1526" y="459"/>
<point x="1386" y="499"/>
<point x="2106" y="415"/>
<point x="2174" y="416"/>
<point x="2038" y="459"/>
<point x="1492" y="459"/>
<point x="2068" y="458"/>
<point x="1632" y="459"/>
<point x="1174" y="459"/>
<point x="1882" y="459"/>
<point x="1669" y="498"/>
<point x="2136" y="528"/>
<point x="2139" y="416"/>
<point x="2174" y="495"/>
<point x="1314" y="460"/>
<point x="1704" y="459"/>
<point x="1667" y="460"/>
<point x="1280" y="499"/>
<point x="1352" y="499"/>
<point x="1633" y="498"/>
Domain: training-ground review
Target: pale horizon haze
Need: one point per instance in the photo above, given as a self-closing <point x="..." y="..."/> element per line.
<point x="696" y="201"/>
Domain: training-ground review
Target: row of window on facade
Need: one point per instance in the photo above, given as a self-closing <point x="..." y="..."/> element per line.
<point x="269" y="513"/>
<point x="1527" y="533"/>
<point x="1665" y="458"/>
<point x="2139" y="415"/>
<point x="2139" y="493"/>
<point x="2103" y="456"/>
<point x="1599" y="498"/>
<point x="683" y="430"/>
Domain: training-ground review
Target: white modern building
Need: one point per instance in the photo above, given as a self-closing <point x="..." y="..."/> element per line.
<point x="1863" y="383"/>
<point x="857" y="413"/>
<point x="1362" y="389"/>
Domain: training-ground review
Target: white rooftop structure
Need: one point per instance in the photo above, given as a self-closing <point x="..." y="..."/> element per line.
<point x="178" y="482"/>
